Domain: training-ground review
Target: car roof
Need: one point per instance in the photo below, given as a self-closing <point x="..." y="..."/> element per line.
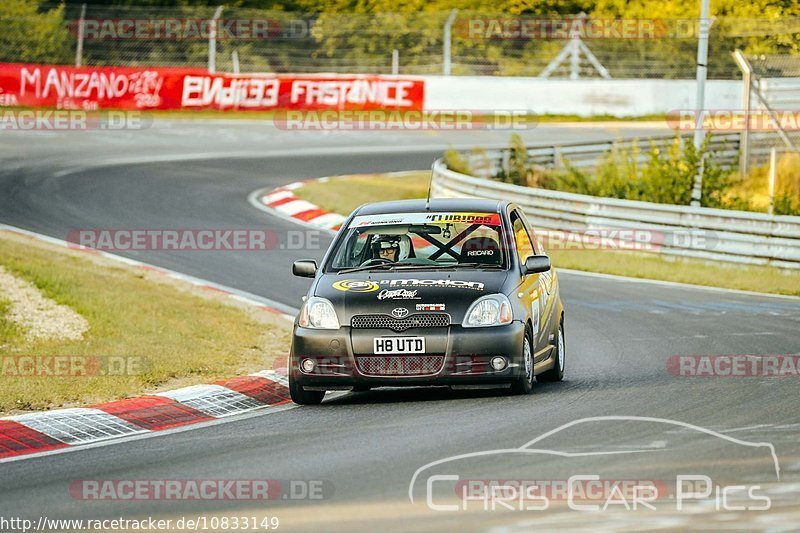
<point x="436" y="205"/>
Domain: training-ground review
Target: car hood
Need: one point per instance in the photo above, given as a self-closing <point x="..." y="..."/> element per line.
<point x="451" y="292"/>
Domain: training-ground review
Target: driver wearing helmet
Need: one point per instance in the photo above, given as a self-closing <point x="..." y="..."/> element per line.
<point x="386" y="247"/>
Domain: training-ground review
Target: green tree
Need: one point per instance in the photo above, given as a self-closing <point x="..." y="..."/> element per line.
<point x="31" y="34"/>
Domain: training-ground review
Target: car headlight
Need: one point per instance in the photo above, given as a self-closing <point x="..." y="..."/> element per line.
<point x="318" y="313"/>
<point x="491" y="310"/>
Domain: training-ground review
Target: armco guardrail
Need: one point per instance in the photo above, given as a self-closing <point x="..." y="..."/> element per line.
<point x="723" y="149"/>
<point x="714" y="234"/>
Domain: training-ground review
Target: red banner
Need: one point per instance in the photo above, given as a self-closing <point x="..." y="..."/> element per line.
<point x="131" y="88"/>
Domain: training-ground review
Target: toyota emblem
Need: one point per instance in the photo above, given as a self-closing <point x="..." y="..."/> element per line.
<point x="399" y="312"/>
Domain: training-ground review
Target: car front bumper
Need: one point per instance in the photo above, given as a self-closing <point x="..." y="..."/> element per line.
<point x="454" y="356"/>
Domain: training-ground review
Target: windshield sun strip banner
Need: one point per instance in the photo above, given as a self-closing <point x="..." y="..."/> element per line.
<point x="489" y="219"/>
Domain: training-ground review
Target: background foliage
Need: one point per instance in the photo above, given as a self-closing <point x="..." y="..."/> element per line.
<point x="360" y="35"/>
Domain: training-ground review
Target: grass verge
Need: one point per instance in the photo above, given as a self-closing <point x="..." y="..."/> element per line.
<point x="345" y="193"/>
<point x="167" y="333"/>
<point x="680" y="270"/>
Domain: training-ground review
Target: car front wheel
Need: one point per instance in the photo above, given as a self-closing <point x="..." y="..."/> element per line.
<point x="524" y="383"/>
<point x="557" y="372"/>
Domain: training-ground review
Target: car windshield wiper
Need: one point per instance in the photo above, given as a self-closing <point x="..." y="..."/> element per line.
<point x="379" y="266"/>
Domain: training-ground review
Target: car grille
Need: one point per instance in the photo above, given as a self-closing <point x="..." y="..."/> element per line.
<point x="424" y="320"/>
<point x="408" y="365"/>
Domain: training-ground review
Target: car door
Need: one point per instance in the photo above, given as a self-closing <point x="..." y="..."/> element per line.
<point x="549" y="283"/>
<point x="532" y="290"/>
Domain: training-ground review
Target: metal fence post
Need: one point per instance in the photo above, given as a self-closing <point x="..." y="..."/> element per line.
<point x="212" y="41"/>
<point x="395" y="62"/>
<point x="702" y="68"/>
<point x="744" y="138"/>
<point x="773" y="169"/>
<point x="558" y="161"/>
<point x="448" y="26"/>
<point x="235" y="61"/>
<point x="79" y="48"/>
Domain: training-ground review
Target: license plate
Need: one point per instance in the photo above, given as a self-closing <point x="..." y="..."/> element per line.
<point x="398" y="345"/>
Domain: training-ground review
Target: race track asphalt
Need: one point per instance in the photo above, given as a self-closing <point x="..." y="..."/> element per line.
<point x="366" y="447"/>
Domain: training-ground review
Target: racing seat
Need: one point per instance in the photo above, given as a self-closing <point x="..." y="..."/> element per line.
<point x="483" y="250"/>
<point x="406" y="247"/>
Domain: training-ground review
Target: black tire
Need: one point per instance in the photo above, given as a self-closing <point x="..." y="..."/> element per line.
<point x="524" y="383"/>
<point x="557" y="372"/>
<point x="301" y="396"/>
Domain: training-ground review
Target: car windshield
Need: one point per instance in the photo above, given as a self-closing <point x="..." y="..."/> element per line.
<point x="420" y="240"/>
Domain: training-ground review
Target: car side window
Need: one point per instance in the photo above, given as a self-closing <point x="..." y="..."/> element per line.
<point x="521" y="238"/>
<point x="536" y="237"/>
<point x="539" y="244"/>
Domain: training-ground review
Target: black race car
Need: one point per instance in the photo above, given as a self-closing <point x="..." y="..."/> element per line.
<point x="452" y="292"/>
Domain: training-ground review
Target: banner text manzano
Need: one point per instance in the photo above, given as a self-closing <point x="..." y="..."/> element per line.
<point x="131" y="88"/>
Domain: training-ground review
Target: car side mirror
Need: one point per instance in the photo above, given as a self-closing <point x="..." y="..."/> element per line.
<point x="305" y="268"/>
<point x="536" y="264"/>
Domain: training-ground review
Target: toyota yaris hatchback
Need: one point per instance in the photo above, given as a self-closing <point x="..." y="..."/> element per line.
<point x="447" y="292"/>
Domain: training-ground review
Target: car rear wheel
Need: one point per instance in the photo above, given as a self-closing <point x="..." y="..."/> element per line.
<point x="304" y="397"/>
<point x="524" y="383"/>
<point x="557" y="372"/>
